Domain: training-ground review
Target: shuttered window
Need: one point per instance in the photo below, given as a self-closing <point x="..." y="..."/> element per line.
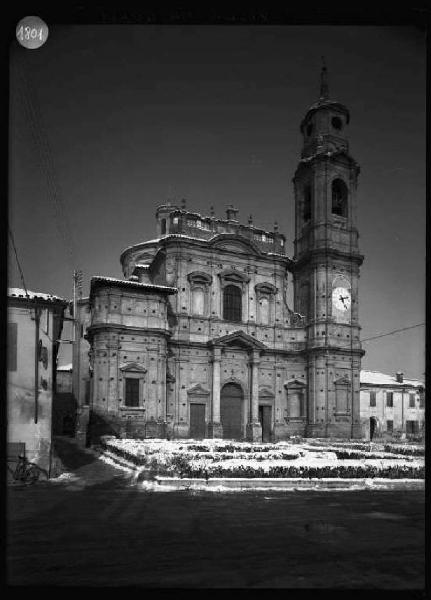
<point x="12" y="335"/>
<point x="132" y="392"/>
<point x="372" y="398"/>
<point x="389" y="426"/>
<point x="412" y="400"/>
<point x="232" y="301"/>
<point x="389" y="399"/>
<point x="412" y="426"/>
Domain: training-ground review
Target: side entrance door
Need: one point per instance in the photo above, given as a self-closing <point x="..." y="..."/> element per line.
<point x="197" y="421"/>
<point x="265" y="421"/>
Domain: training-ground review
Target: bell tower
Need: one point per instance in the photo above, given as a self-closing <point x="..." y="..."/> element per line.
<point x="326" y="268"/>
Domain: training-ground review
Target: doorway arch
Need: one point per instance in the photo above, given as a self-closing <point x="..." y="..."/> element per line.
<point x="231" y="403"/>
<point x="373" y="427"/>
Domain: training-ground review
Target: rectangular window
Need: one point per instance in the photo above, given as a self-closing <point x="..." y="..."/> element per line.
<point x="132" y="392"/>
<point x="389" y="426"/>
<point x="372" y="398"/>
<point x="412" y="399"/>
<point x="175" y="221"/>
<point x="389" y="399"/>
<point x="12" y="338"/>
<point x="198" y="223"/>
<point x="421" y="400"/>
<point x="412" y="426"/>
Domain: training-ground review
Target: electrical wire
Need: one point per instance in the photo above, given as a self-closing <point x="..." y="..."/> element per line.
<point x="392" y="332"/>
<point x="35" y="119"/>
<point x="18" y="263"/>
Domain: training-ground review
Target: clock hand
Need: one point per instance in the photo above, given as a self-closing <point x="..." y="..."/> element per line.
<point x="342" y="298"/>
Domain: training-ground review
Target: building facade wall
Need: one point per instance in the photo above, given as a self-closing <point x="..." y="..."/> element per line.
<point x="392" y="421"/>
<point x="29" y="420"/>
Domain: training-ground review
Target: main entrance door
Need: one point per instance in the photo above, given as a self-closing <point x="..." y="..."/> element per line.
<point x="265" y="421"/>
<point x="197" y="421"/>
<point x="231" y="411"/>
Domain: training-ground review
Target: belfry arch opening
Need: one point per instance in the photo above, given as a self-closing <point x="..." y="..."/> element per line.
<point x="339" y="198"/>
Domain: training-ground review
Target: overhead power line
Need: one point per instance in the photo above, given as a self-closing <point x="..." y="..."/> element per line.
<point x="17" y="262"/>
<point x="375" y="337"/>
<point x="35" y="119"/>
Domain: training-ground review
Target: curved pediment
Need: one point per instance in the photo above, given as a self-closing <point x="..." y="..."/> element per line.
<point x="265" y="288"/>
<point x="234" y="243"/>
<point x="133" y="367"/>
<point x="342" y="381"/>
<point x="233" y="276"/>
<point x="294" y="383"/>
<point x="198" y="390"/>
<point x="199" y="277"/>
<point x="265" y="392"/>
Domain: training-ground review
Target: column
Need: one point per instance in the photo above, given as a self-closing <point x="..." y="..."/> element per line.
<point x="254" y="428"/>
<point x="215" y="429"/>
<point x="255" y="388"/>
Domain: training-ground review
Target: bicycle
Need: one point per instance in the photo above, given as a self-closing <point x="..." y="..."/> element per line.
<point x="25" y="471"/>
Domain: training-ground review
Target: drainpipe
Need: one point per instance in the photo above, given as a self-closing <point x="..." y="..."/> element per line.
<point x="36" y="362"/>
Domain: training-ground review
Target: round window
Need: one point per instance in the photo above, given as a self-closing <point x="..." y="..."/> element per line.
<point x="309" y="129"/>
<point x="337" y="123"/>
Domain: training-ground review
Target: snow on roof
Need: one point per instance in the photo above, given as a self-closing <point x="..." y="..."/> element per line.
<point x="377" y="378"/>
<point x="20" y="293"/>
<point x="135" y="284"/>
<point x="67" y="367"/>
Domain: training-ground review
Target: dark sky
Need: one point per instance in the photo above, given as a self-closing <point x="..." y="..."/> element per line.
<point x="119" y="118"/>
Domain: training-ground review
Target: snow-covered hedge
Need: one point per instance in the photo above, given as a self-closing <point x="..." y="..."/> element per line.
<point x="405" y="449"/>
<point x="216" y="458"/>
<point x="200" y="469"/>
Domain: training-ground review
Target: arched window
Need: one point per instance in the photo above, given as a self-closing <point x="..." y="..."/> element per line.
<point x="307" y="203"/>
<point x="163" y="226"/>
<point x="339" y="198"/>
<point x="198" y="301"/>
<point x="232" y="301"/>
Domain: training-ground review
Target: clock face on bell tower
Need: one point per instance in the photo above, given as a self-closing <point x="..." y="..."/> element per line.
<point x="341" y="299"/>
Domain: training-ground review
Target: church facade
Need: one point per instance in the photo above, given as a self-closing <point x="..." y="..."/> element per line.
<point x="198" y="339"/>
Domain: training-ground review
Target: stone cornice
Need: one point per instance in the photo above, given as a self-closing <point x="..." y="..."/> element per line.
<point x="316" y="254"/>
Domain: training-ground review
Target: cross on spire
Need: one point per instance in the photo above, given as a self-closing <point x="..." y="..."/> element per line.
<point x="324" y="90"/>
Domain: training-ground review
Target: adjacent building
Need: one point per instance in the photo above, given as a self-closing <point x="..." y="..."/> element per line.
<point x="392" y="406"/>
<point x="35" y="322"/>
<point x="198" y="339"/>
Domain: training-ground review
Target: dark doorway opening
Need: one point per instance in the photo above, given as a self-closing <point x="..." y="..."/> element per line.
<point x="197" y="421"/>
<point x="373" y="427"/>
<point x="265" y="413"/>
<point x="231" y="411"/>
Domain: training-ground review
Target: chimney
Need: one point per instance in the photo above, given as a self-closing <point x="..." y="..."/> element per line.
<point x="231" y="213"/>
<point x="399" y="376"/>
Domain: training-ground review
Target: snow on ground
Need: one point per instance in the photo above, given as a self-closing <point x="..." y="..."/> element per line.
<point x="211" y="454"/>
